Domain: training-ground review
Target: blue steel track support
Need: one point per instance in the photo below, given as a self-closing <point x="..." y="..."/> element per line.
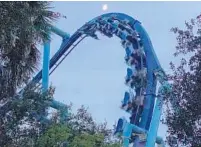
<point x="45" y="72"/>
<point x="59" y="32"/>
<point x="126" y="134"/>
<point x="148" y="122"/>
<point x="63" y="110"/>
<point x="46" y="62"/>
<point x="152" y="133"/>
<point x="129" y="128"/>
<point x="152" y="64"/>
<point x="151" y="138"/>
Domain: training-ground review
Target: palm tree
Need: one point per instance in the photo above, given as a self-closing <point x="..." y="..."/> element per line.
<point x="22" y="26"/>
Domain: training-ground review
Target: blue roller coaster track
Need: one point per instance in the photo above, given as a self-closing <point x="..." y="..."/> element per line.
<point x="142" y="100"/>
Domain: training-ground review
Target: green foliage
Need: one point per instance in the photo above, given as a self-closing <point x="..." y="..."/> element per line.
<point x="183" y="114"/>
<point x="87" y="140"/>
<point x="18" y="118"/>
<point x="55" y="136"/>
<point x="79" y="131"/>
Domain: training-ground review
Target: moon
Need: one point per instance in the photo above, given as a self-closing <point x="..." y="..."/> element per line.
<point x="105" y="7"/>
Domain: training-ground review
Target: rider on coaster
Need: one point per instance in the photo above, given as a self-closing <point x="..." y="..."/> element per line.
<point x="134" y="105"/>
<point x="137" y="106"/>
<point x="127" y="102"/>
<point x="131" y="40"/>
<point x="129" y="75"/>
<point x="123" y="27"/>
<point x="139" y="73"/>
<point x="139" y="82"/>
<point x="107" y="30"/>
<point x="126" y="99"/>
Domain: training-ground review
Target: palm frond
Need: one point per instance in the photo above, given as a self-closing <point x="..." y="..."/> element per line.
<point x="22" y="26"/>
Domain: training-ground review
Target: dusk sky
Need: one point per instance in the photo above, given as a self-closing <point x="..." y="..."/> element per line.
<point x="93" y="74"/>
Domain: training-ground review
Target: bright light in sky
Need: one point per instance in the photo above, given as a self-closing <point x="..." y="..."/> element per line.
<point x="105" y="7"/>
